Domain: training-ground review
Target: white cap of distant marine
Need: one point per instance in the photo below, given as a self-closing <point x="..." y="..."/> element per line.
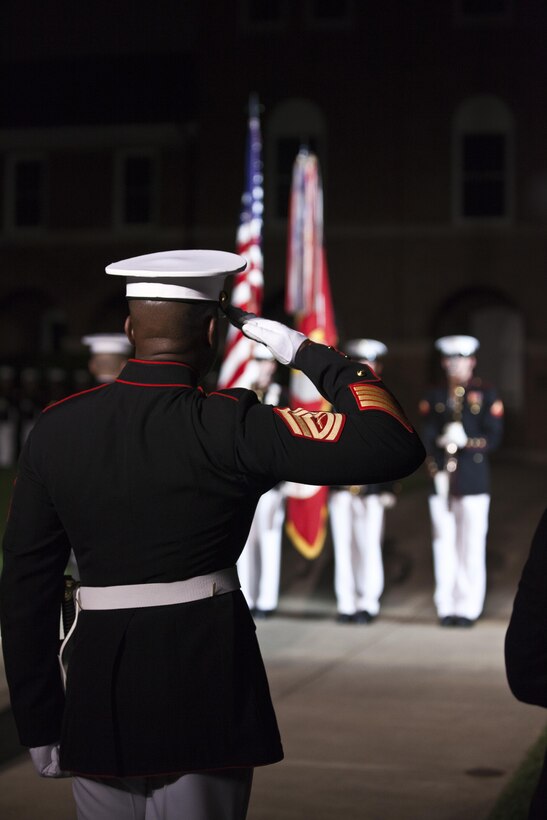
<point x="116" y="343"/>
<point x="457" y="345"/>
<point x="184" y="275"/>
<point x="369" y="349"/>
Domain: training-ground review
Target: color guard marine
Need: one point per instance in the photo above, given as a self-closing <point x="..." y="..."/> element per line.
<point x="357" y="525"/>
<point x="108" y="354"/>
<point x="154" y="484"/>
<point x="462" y="425"/>
<point x="259" y="565"/>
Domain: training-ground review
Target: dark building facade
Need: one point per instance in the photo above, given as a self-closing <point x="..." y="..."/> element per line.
<point x="122" y="132"/>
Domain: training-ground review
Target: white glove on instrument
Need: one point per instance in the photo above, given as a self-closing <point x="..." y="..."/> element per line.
<point x="453" y="433"/>
<point x="46" y="760"/>
<point x="281" y="340"/>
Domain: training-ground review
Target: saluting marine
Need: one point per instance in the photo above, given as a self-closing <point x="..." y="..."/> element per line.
<point x="357" y="525"/>
<point x="462" y="424"/>
<point x="154" y="484"/>
<point x="259" y="565"/>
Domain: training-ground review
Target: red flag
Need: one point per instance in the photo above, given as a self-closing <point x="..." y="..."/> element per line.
<point x="236" y="369"/>
<point x="308" y="298"/>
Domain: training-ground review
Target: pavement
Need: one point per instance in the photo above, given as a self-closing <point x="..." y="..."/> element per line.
<point x="398" y="720"/>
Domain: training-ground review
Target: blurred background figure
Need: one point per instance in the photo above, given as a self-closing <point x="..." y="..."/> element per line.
<point x="259" y="564"/>
<point x="357" y="525"/>
<point x="31" y="401"/>
<point x="9" y="418"/>
<point x="57" y="386"/>
<point x="463" y="423"/>
<point x="108" y="355"/>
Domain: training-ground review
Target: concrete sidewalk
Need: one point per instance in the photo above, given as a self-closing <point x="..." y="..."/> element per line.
<point x="400" y="720"/>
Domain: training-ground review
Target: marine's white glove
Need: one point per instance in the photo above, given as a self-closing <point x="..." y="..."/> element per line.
<point x="453" y="433"/>
<point x="46" y="760"/>
<point x="282" y="341"/>
<point x="387" y="500"/>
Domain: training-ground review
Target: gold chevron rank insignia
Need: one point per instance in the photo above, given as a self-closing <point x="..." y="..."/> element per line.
<point x="370" y="397"/>
<point x="317" y="426"/>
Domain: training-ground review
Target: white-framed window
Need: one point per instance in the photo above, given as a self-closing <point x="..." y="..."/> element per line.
<point x="483" y="161"/>
<point x="25" y="192"/>
<point x="483" y="12"/>
<point x="136" y="188"/>
<point x="329" y="14"/>
<point x="293" y="124"/>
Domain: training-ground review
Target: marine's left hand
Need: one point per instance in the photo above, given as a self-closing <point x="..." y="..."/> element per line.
<point x="46" y="760"/>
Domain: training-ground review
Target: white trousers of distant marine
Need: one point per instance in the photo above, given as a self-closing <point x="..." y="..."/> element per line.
<point x="357" y="523"/>
<point x="459" y="529"/>
<point x="259" y="564"/>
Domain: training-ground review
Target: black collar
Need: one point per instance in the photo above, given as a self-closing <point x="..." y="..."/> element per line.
<point x="158" y="374"/>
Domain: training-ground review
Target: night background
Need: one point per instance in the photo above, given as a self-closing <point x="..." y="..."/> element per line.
<point x="122" y="132"/>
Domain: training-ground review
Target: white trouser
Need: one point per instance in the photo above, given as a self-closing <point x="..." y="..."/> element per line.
<point x="221" y="795"/>
<point x="357" y="527"/>
<point x="259" y="564"/>
<point x="459" y="528"/>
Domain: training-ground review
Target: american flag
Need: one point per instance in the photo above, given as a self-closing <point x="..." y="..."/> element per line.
<point x="237" y="369"/>
<point x="308" y="298"/>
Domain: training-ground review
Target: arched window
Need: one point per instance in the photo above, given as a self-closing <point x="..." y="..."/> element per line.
<point x="293" y="123"/>
<point x="498" y="324"/>
<point x="483" y="160"/>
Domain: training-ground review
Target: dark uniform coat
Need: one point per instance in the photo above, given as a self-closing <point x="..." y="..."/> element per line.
<point x="482" y="419"/>
<point x="526" y="644"/>
<point x="150" y="480"/>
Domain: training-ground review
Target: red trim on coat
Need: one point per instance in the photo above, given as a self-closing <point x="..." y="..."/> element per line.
<point x="223" y="395"/>
<point x="144" y="384"/>
<point x="74" y="395"/>
<point x="148" y="361"/>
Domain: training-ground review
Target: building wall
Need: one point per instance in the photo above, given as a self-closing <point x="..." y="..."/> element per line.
<point x="383" y="91"/>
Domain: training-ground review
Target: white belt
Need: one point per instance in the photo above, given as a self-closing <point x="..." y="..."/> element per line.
<point x="133" y="596"/>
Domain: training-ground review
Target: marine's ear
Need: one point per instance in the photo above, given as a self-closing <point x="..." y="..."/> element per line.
<point x="128" y="328"/>
<point x="212" y="331"/>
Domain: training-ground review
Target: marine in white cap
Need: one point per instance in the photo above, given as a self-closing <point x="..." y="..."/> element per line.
<point x="154" y="484"/>
<point x="108" y="353"/>
<point x="462" y="424"/>
<point x="357" y="525"/>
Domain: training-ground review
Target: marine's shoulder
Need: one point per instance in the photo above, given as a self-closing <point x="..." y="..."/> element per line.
<point x="72" y="401"/>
